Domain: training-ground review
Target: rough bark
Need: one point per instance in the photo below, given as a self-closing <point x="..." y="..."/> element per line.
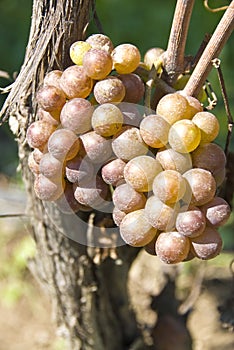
<point x="90" y="300"/>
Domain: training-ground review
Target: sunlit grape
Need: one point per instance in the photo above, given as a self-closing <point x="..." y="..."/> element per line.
<point x="202" y="184"/>
<point x="217" y="211"/>
<point x="77" y="51"/>
<point x="135" y="229"/>
<point x="184" y="136"/>
<point x="76" y="115"/>
<point x="191" y="222"/>
<point x="126" y="58"/>
<point x="100" y="41"/>
<point x="53" y="78"/>
<point x="38" y="134"/>
<point x="172" y="247"/>
<point x="111" y="89"/>
<point x="154" y="130"/>
<point x="173" y="107"/>
<point x="97" y="63"/>
<point x="95" y="148"/>
<point x="47" y="189"/>
<point x="63" y="144"/>
<point x="173" y="160"/>
<point x="161" y="215"/>
<point x="208" y="125"/>
<point x="107" y="119"/>
<point x="140" y="172"/>
<point x="75" y="82"/>
<point x="152" y="55"/>
<point x="113" y="172"/>
<point x="208" y="245"/>
<point x="51" y="167"/>
<point x="51" y="98"/>
<point x="128" y="144"/>
<point x="169" y="186"/>
<point x="126" y="199"/>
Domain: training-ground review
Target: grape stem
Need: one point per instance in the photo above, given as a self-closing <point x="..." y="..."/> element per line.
<point x="212" y="50"/>
<point x="174" y="55"/>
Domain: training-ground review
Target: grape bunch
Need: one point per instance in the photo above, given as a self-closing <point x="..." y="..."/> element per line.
<point x="157" y="171"/>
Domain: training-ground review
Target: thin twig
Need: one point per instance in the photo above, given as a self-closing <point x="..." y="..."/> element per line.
<point x="174" y="57"/>
<point x="216" y="64"/>
<point x="212" y="51"/>
<point x="217" y="9"/>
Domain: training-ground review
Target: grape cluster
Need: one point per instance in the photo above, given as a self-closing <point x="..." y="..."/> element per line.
<point x="158" y="171"/>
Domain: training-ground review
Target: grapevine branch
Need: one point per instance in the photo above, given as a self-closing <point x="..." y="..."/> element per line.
<point x="212" y="51"/>
<point x="174" y="56"/>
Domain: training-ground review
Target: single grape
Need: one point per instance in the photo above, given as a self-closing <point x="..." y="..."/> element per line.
<point x="38" y="134"/>
<point x="77" y="51"/>
<point x="96" y="149"/>
<point x="51" y="167"/>
<point x="140" y="172"/>
<point x="208" y="245"/>
<point x="128" y="144"/>
<point x="126" y="199"/>
<point x="76" y="115"/>
<point x="208" y="124"/>
<point x="173" y="107"/>
<point x="113" y="172"/>
<point x="93" y="193"/>
<point x="107" y="120"/>
<point x="169" y="186"/>
<point x="75" y="82"/>
<point x="172" y="247"/>
<point x="118" y="216"/>
<point x="33" y="165"/>
<point x="161" y="215"/>
<point x="184" y="136"/>
<point x="51" y="98"/>
<point x="217" y="211"/>
<point x="134" y="87"/>
<point x="191" y="223"/>
<point x="110" y="89"/>
<point x="202" y="184"/>
<point x="152" y="55"/>
<point x="79" y="170"/>
<point x="47" y="189"/>
<point x="97" y="63"/>
<point x="100" y="41"/>
<point x="210" y="157"/>
<point x="135" y="229"/>
<point x="173" y="160"/>
<point x="67" y="203"/>
<point x="53" y="78"/>
<point x="126" y="58"/>
<point x="63" y="144"/>
<point x="154" y="130"/>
